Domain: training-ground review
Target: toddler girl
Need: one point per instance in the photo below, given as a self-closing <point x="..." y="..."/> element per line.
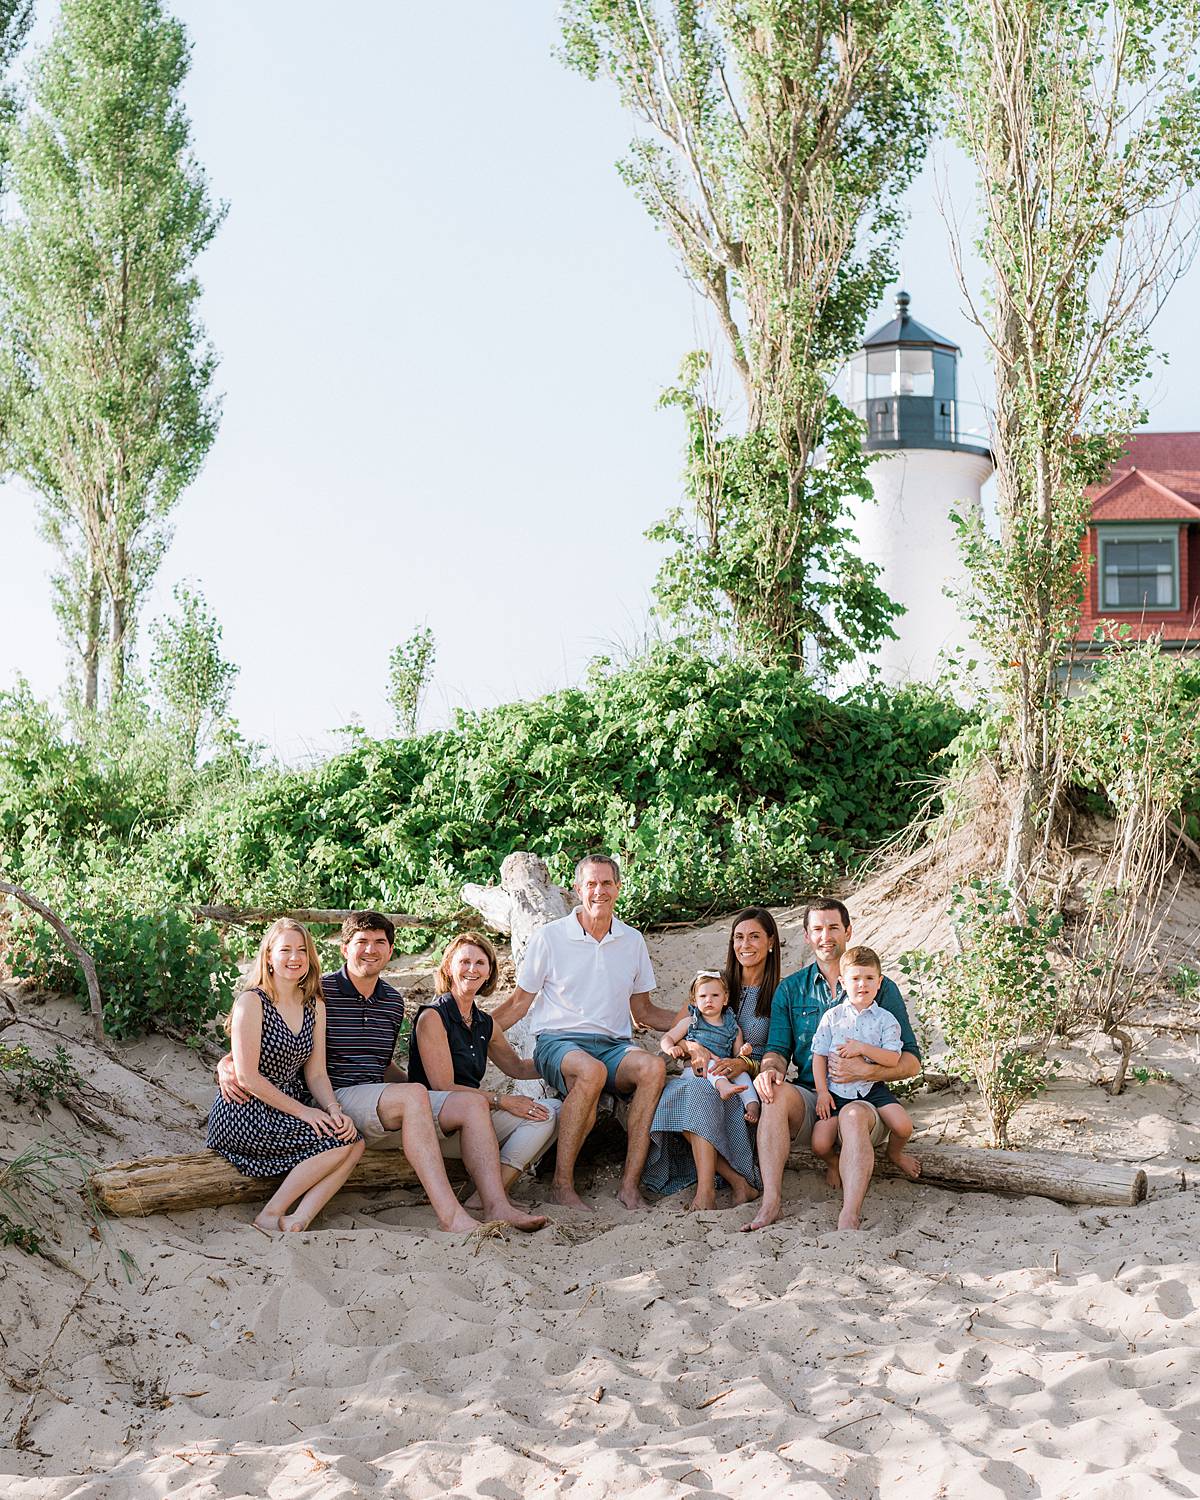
<point x="711" y="1022"/>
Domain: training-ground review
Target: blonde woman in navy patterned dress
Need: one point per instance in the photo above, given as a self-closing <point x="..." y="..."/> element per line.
<point x="277" y="1027"/>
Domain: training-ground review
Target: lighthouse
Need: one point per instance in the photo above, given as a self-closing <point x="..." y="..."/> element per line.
<point x="933" y="455"/>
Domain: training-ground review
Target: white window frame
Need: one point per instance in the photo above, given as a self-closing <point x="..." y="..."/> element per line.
<point x="1118" y="533"/>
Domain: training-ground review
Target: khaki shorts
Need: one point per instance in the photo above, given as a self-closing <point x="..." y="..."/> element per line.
<point x="803" y="1136"/>
<point x="361" y="1102"/>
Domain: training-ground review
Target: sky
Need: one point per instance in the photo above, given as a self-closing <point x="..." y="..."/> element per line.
<point x="443" y="325"/>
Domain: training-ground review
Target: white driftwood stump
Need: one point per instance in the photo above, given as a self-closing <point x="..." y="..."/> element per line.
<point x="525" y="900"/>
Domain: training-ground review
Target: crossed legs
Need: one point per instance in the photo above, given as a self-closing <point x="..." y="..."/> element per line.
<point x="310" y="1187"/>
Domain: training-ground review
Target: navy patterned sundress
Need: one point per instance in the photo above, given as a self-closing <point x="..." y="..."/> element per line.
<point x="691" y="1103"/>
<point x="258" y="1139"/>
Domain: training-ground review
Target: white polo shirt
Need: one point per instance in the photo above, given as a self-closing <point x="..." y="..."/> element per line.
<point x="582" y="984"/>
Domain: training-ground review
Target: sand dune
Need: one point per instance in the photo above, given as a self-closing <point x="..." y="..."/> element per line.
<point x="961" y="1345"/>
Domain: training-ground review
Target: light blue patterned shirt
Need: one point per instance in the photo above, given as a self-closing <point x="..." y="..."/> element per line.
<point x="875" y="1026"/>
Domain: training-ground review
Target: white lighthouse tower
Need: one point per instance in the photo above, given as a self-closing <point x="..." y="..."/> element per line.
<point x="933" y="455"/>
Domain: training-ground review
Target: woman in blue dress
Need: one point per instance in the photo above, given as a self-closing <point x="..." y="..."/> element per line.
<point x="277" y="1028"/>
<point x="696" y="1136"/>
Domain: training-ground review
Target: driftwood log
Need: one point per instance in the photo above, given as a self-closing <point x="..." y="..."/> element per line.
<point x="161" y="1184"/>
<point x="317" y="916"/>
<point x="524" y="900"/>
<point x="72" y="945"/>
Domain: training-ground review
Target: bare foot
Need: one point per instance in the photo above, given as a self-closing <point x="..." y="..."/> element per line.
<point x="632" y="1199"/>
<point x="847" y="1220"/>
<point x="909" y="1164"/>
<point x="701" y="1201"/>
<point x="752" y="1113"/>
<point x="726" y="1086"/>
<point x="267" y="1223"/>
<point x="833" y="1174"/>
<point x="767" y="1214"/>
<point x="474" y="1202"/>
<point x="566" y="1197"/>
<point x="519" y="1219"/>
<point x="744" y="1194"/>
<point x="460" y="1223"/>
<point x="293" y="1223"/>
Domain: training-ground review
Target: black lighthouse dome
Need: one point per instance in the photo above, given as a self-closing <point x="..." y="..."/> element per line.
<point x="904" y="384"/>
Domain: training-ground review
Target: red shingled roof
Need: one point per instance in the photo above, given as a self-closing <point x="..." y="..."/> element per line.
<point x="1158" y="479"/>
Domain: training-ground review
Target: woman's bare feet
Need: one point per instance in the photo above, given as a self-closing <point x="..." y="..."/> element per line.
<point x="905" y="1162"/>
<point x="847" y="1220"/>
<point x="744" y="1193"/>
<point x="267" y="1223"/>
<point x="519" y="1219"/>
<point x="701" y="1200"/>
<point x="459" y="1223"/>
<point x="293" y="1223"/>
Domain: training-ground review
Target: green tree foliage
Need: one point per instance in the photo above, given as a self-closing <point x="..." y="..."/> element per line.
<point x="717" y="781"/>
<point x="106" y="365"/>
<point x="995" y="998"/>
<point x="778" y="137"/>
<point x="410" y="667"/>
<point x="1083" y="121"/>
<point x="192" y="678"/>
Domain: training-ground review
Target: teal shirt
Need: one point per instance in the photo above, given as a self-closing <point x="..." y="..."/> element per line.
<point x="800" y="1002"/>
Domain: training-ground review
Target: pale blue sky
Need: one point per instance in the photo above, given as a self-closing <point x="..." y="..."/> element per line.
<point x="443" y="325"/>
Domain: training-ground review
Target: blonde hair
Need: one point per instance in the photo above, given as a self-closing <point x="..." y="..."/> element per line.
<point x="708" y="976"/>
<point x="258" y="976"/>
<point x="467" y="940"/>
<point x="862" y="957"/>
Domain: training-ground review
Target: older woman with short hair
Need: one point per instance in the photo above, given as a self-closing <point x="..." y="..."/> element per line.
<point x="452" y="1043"/>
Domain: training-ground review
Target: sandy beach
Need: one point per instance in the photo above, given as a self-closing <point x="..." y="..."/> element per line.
<point x="962" y="1344"/>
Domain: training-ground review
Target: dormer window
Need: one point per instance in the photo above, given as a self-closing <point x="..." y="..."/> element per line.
<point x="1139" y="568"/>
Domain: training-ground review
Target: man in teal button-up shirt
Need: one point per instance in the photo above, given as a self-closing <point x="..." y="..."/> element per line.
<point x="790" y="1108"/>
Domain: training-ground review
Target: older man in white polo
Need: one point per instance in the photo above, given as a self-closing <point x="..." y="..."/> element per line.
<point x="582" y="982"/>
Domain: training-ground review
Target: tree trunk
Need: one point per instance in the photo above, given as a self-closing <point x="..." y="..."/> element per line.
<point x="524" y="901"/>
<point x="91" y="646"/>
<point x="119" y="622"/>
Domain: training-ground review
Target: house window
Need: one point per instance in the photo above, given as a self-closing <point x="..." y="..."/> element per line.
<point x="1139" y="568"/>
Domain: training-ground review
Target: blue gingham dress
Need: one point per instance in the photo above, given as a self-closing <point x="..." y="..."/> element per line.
<point x="691" y="1103"/>
<point x="258" y="1139"/>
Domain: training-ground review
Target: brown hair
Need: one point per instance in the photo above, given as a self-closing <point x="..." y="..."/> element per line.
<point x="463" y="940"/>
<point x="826" y="903"/>
<point x="862" y="957"/>
<point x="709" y="976"/>
<point x="369" y="921"/>
<point x="259" y="977"/>
<point x="772" y="972"/>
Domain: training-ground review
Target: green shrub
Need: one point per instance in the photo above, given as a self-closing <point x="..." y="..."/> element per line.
<point x="995" y="1000"/>
<point x="157" y="968"/>
<point x="38" y="1078"/>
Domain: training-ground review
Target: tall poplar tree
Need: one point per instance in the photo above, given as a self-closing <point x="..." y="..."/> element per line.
<point x="1082" y="118"/>
<point x="107" y="367"/>
<point x="777" y="138"/>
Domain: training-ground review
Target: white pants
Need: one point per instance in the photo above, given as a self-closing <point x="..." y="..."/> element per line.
<point x="743" y="1078"/>
<point x="522" y="1142"/>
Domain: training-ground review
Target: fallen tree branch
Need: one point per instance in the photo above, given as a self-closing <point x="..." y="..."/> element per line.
<point x="71" y="943"/>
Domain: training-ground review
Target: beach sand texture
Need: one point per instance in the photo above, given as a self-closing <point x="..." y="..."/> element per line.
<point x="961" y="1345"/>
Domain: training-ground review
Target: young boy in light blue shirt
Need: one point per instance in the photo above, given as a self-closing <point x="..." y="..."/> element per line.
<point x="857" y="1027"/>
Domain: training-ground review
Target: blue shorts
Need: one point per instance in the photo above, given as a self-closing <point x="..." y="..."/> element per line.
<point x="878" y="1094"/>
<point x="552" y="1047"/>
